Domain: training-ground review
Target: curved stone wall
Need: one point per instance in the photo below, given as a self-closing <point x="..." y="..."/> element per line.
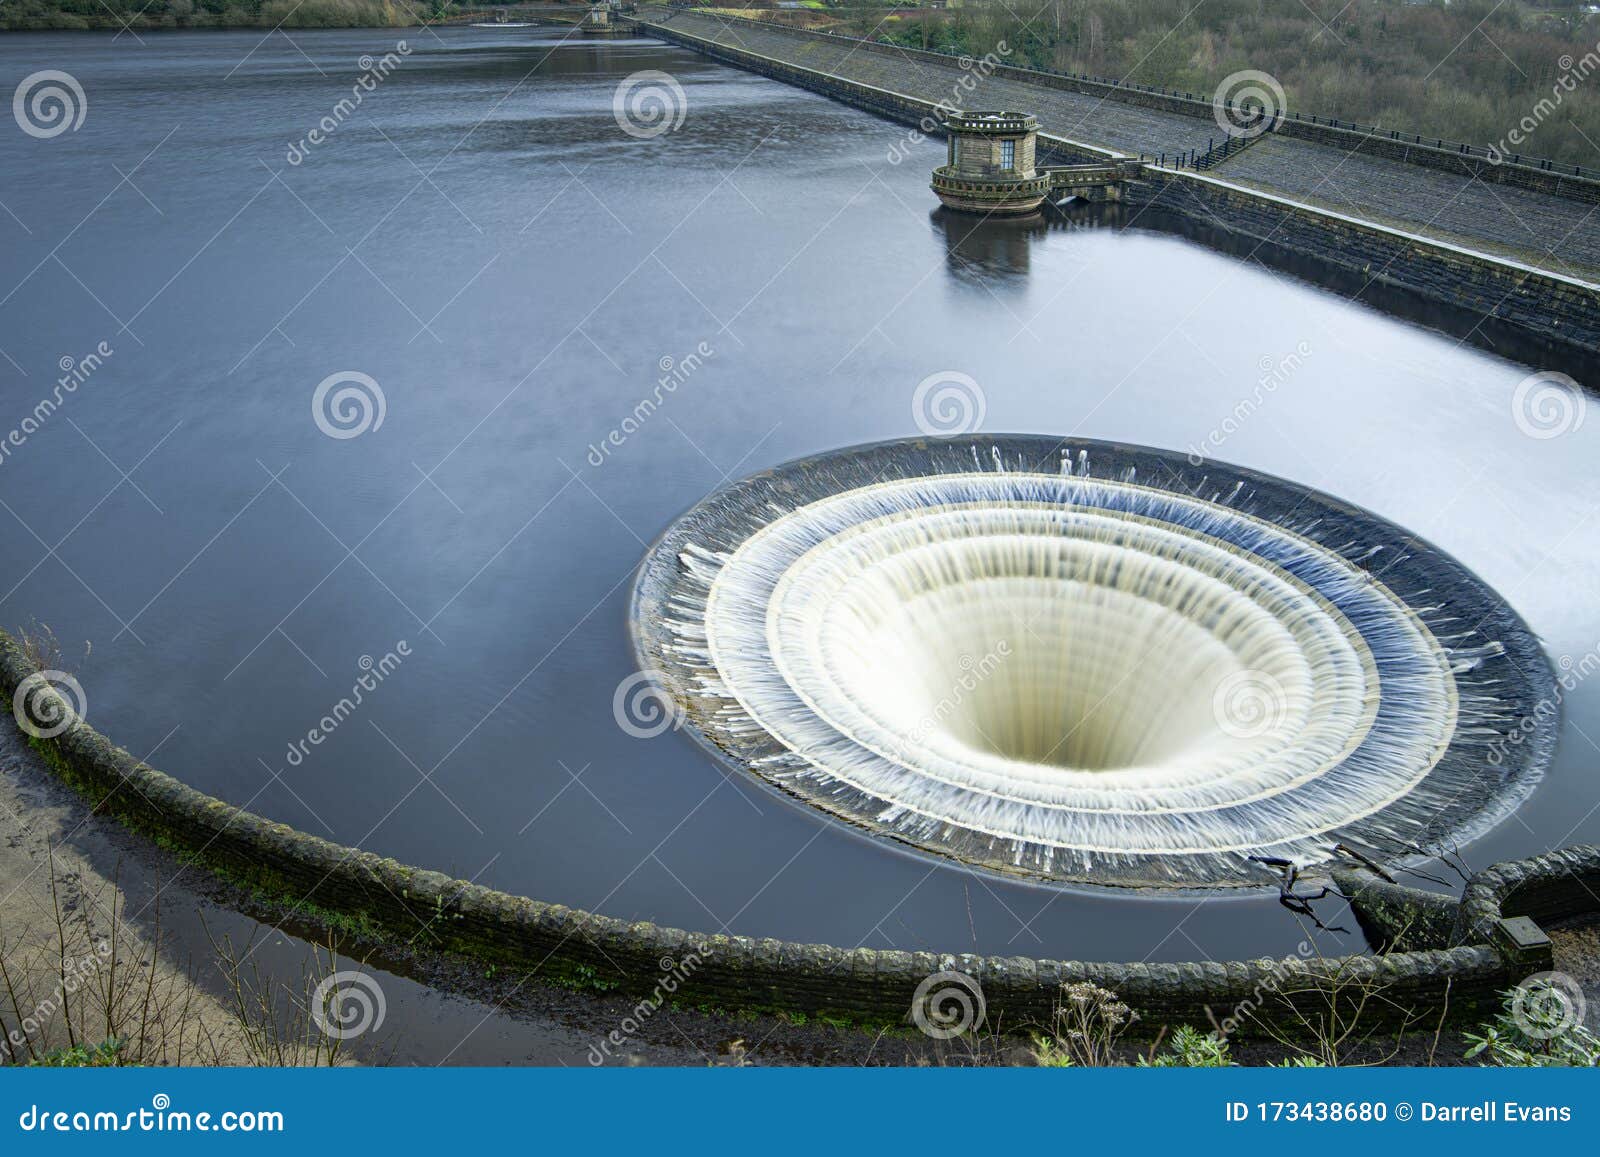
<point x="413" y="906"/>
<point x="1561" y="883"/>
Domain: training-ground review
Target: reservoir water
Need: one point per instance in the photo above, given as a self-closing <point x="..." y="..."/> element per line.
<point x="577" y="332"/>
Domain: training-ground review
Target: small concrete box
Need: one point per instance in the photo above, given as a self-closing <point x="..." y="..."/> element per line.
<point x="1523" y="941"/>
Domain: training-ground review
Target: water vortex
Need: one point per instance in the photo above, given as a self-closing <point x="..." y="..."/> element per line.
<point x="1092" y="662"/>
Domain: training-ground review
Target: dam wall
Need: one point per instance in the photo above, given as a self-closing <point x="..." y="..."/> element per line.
<point x="1411" y="148"/>
<point x="1492" y="301"/>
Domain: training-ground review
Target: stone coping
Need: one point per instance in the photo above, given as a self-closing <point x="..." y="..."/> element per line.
<point x="984" y="122"/>
<point x="395" y="903"/>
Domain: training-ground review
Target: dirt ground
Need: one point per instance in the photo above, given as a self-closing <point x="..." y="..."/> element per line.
<point x="52" y="865"/>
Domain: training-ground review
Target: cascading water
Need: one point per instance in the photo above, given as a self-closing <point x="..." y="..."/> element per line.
<point x="1091" y="662"/>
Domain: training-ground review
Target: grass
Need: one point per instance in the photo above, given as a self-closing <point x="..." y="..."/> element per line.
<point x="583" y="978"/>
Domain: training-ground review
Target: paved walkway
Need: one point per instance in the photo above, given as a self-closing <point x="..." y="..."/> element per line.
<point x="1123" y="127"/>
<point x="1552" y="233"/>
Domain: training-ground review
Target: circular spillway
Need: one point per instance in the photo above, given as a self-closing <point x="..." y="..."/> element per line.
<point x="1091" y="662"/>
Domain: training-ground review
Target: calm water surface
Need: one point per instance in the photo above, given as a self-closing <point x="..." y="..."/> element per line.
<point x="515" y="272"/>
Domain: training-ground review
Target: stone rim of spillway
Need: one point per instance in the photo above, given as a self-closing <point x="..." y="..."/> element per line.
<point x="1151" y="670"/>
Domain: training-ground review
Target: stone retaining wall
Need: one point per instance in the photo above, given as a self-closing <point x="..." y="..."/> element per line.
<point x="1561" y="312"/>
<point x="407" y="905"/>
<point x="1396" y="917"/>
<point x="1449" y="160"/>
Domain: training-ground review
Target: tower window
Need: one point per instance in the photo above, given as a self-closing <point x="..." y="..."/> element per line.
<point x="1008" y="154"/>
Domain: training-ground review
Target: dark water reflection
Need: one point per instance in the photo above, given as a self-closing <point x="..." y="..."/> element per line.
<point x="515" y="271"/>
<point x="981" y="249"/>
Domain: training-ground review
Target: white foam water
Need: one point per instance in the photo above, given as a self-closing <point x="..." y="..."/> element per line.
<point x="1075" y="677"/>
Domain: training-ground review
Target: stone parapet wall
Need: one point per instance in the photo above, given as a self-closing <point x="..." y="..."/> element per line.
<point x="927" y="77"/>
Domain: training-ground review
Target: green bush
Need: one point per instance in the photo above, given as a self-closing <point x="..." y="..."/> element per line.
<point x="1189" y="1048"/>
<point x="105" y="1055"/>
<point x="1538" y="1026"/>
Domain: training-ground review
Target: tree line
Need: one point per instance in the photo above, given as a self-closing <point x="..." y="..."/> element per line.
<point x="1467" y="70"/>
